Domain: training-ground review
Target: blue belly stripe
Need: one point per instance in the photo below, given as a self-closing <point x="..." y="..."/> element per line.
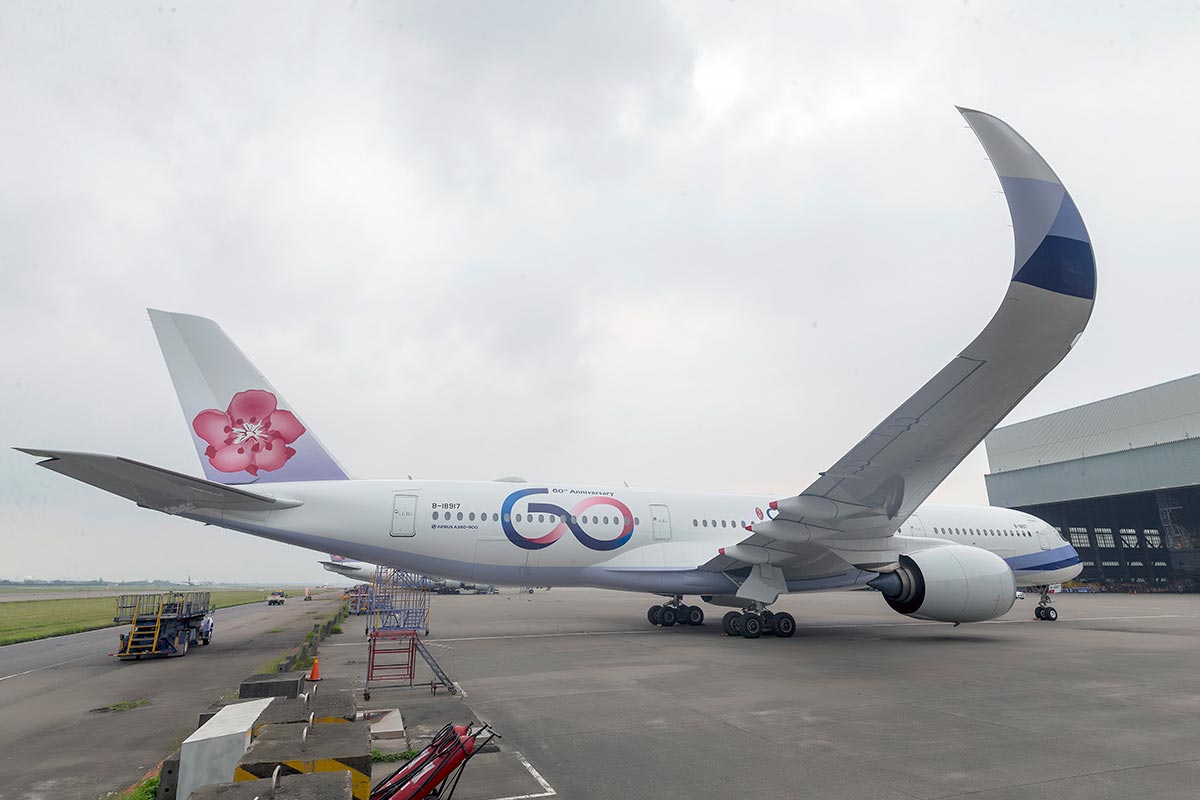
<point x="1044" y="561"/>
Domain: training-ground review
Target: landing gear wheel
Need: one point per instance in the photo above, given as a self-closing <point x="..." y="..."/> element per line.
<point x="695" y="615"/>
<point x="1038" y="612"/>
<point x="784" y="625"/>
<point x="751" y="625"/>
<point x="655" y="615"/>
<point x="668" y="617"/>
<point x="1050" y="614"/>
<point x="731" y="623"/>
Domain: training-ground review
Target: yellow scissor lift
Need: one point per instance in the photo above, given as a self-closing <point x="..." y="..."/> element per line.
<point x="163" y="624"/>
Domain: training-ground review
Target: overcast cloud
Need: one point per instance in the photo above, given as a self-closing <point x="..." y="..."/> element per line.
<point x="686" y="245"/>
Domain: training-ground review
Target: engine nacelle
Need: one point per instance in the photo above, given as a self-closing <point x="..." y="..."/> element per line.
<point x="952" y="583"/>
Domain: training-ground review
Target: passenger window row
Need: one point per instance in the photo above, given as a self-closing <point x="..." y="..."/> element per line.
<point x="704" y="523"/>
<point x="979" y="532"/>
<point x="471" y="516"/>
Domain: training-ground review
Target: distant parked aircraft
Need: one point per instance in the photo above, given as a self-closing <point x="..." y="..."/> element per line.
<point x="366" y="572"/>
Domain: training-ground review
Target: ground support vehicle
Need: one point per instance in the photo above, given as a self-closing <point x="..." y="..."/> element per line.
<point x="163" y="624"/>
<point x="359" y="598"/>
<point x="276" y="598"/>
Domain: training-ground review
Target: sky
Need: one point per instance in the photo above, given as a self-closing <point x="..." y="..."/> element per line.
<point x="696" y="245"/>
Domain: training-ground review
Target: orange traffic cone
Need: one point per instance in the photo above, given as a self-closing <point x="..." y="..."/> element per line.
<point x="315" y="675"/>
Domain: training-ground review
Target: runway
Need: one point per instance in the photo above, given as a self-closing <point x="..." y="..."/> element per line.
<point x="53" y="745"/>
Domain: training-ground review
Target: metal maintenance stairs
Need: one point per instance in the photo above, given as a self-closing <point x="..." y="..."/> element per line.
<point x="442" y="677"/>
<point x="143" y="634"/>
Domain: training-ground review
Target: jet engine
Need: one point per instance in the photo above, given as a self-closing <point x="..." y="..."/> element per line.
<point x="952" y="583"/>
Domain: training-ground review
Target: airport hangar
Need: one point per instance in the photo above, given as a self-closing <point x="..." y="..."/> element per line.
<point x="1119" y="478"/>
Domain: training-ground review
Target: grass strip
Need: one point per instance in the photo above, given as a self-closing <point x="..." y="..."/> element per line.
<point x="146" y="790"/>
<point x="28" y="620"/>
<point x="124" y="705"/>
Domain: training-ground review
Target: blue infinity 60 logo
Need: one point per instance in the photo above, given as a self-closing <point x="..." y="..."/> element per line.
<point x="567" y="521"/>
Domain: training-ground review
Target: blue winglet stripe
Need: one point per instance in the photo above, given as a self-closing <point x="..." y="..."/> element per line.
<point x="1061" y="265"/>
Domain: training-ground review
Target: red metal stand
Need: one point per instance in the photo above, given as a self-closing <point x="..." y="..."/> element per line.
<point x="391" y="657"/>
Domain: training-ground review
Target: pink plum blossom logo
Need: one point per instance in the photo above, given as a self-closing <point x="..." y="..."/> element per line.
<point x="252" y="434"/>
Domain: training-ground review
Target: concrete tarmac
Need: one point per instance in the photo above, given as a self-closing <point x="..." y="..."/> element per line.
<point x="53" y="745"/>
<point x="862" y="703"/>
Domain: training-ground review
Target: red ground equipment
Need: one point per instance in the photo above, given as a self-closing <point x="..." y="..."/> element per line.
<point x="434" y="772"/>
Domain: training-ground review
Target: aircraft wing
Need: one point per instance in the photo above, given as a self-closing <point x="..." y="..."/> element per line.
<point x="869" y="492"/>
<point x="154" y="487"/>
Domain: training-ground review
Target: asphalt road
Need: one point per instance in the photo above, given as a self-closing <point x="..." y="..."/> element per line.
<point x="862" y="704"/>
<point x="53" y="745"/>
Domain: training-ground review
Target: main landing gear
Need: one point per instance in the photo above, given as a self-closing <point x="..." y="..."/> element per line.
<point x="1045" y="610"/>
<point x="675" y="612"/>
<point x="757" y="620"/>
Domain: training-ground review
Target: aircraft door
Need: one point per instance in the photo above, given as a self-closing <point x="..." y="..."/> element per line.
<point x="404" y="515"/>
<point x="660" y="521"/>
<point x="1043" y="541"/>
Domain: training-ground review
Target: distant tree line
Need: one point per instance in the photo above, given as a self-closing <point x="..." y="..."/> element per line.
<point x="97" y="582"/>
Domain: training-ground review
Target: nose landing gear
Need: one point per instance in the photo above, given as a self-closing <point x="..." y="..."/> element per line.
<point x="1045" y="610"/>
<point x="675" y="612"/>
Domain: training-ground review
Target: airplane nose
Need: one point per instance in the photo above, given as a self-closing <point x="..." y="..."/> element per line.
<point x="1077" y="567"/>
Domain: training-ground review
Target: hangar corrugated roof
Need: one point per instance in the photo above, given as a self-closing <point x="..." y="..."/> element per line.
<point x="1168" y="412"/>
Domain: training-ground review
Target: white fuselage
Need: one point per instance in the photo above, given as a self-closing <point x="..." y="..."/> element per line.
<point x="513" y="533"/>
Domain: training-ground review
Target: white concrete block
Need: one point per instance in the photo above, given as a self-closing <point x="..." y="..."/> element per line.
<point x="388" y="725"/>
<point x="210" y="754"/>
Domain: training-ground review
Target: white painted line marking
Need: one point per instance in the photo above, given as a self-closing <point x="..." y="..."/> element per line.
<point x="549" y="792"/>
<point x="801" y="628"/>
<point x="66" y="637"/>
<point x="1093" y="619"/>
<point x="543" y="635"/>
<point x="48" y="666"/>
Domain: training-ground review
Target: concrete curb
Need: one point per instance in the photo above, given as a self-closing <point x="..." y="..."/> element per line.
<point x="309" y="647"/>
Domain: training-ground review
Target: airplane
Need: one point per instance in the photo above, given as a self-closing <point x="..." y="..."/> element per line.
<point x="349" y="568"/>
<point x="862" y="523"/>
<point x="355" y="570"/>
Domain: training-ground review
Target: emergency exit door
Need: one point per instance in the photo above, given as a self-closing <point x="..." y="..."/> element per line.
<point x="404" y="515"/>
<point x="660" y="520"/>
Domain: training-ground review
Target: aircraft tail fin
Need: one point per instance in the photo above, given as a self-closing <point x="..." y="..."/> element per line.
<point x="243" y="429"/>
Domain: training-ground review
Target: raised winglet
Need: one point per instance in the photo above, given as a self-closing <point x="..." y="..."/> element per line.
<point x="1053" y="250"/>
<point x="1047" y="306"/>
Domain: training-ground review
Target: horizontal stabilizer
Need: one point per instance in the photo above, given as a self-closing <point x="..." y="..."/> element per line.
<point x="154" y="487"/>
<point x="345" y="570"/>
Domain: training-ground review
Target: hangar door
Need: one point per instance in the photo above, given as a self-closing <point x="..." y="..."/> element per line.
<point x="660" y="519"/>
<point x="404" y="515"/>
